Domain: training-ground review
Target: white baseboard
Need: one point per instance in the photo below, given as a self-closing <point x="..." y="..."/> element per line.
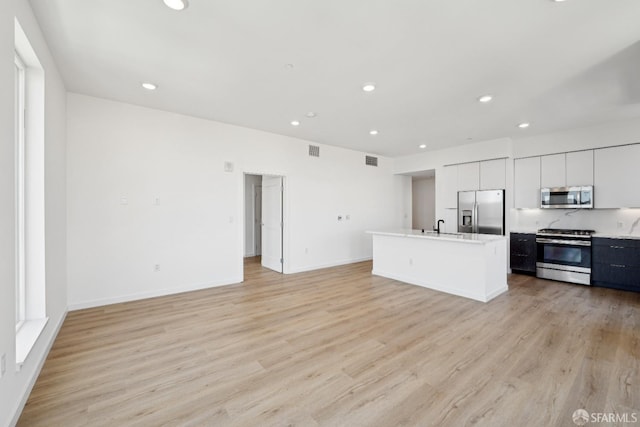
<point x="151" y="294"/>
<point x="492" y="295"/>
<point x="36" y="372"/>
<point x="440" y="288"/>
<point x="327" y="265"/>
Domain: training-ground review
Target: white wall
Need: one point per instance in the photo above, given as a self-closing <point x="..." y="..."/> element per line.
<point x="15" y="386"/>
<point x="604" y="135"/>
<point x="119" y="151"/>
<point x="424" y="203"/>
<point x="250" y="182"/>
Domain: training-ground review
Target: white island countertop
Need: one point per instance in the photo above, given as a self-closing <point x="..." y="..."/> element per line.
<point x="469" y="265"/>
<point x="453" y="237"/>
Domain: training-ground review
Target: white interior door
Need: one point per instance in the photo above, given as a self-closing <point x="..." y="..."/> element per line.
<point x="272" y="223"/>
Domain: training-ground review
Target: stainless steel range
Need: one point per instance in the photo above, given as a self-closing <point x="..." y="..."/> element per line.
<point x="564" y="255"/>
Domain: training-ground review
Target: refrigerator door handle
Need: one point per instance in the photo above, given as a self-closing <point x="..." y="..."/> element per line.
<point x="474" y="220"/>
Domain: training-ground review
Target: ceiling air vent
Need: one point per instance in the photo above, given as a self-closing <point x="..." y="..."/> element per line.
<point x="314" y="151"/>
<point x="371" y="161"/>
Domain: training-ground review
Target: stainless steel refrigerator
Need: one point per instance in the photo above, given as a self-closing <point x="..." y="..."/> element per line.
<point x="481" y="212"/>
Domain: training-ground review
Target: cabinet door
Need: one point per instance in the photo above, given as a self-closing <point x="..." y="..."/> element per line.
<point x="493" y="174"/>
<point x="580" y="168"/>
<point x="469" y="176"/>
<point x="450" y="186"/>
<point x="523" y="252"/>
<point x="553" y="171"/>
<point x="527" y="183"/>
<point x="616" y="180"/>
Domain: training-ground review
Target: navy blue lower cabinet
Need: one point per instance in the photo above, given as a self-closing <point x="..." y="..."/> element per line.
<point x="616" y="263"/>
<point x="523" y="253"/>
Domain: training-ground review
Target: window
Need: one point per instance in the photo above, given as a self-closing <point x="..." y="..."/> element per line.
<point x="20" y="189"/>
<point x="30" y="275"/>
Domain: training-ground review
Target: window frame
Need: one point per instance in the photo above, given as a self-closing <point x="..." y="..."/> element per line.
<point x="20" y="191"/>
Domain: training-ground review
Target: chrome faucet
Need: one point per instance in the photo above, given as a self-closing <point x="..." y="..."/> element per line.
<point x="438" y="227"/>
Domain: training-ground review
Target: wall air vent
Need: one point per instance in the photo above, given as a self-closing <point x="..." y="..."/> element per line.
<point x="371" y="161"/>
<point x="314" y="151"/>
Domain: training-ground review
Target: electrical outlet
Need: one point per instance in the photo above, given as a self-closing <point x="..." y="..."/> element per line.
<point x="348" y="217"/>
<point x="620" y="224"/>
<point x="157" y="267"/>
<point x="306" y="250"/>
<point x="3" y="365"/>
<point x="410" y="261"/>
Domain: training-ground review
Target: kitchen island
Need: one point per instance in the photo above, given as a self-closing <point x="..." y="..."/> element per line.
<point x="469" y="265"/>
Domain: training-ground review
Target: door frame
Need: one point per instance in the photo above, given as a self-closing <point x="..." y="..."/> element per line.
<point x="285" y="217"/>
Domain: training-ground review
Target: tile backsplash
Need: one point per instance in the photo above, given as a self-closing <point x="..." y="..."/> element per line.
<point x="607" y="221"/>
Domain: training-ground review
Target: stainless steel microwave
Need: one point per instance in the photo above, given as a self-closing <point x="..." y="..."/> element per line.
<point x="567" y="197"/>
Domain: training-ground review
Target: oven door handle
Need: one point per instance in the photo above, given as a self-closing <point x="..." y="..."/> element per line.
<point x="564" y="242"/>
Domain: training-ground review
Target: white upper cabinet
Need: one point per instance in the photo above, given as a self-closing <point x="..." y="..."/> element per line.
<point x="527" y="182"/>
<point x="580" y="168"/>
<point x="485" y="175"/>
<point x="450" y="186"/>
<point x="468" y="176"/>
<point x="616" y="177"/>
<point x="567" y="169"/>
<point x="553" y="172"/>
<point x="493" y="174"/>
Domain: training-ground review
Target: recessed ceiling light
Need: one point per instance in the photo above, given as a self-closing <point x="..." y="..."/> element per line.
<point x="373" y="132"/>
<point x="558" y="1"/>
<point x="423" y="145"/>
<point x="149" y="86"/>
<point x="485" y="98"/>
<point x="295" y="123"/>
<point x="311" y="114"/>
<point x="176" y="4"/>
<point x="523" y="125"/>
<point x="369" y="87"/>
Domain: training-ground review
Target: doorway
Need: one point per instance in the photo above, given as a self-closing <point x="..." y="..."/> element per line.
<point x="423" y="200"/>
<point x="253" y="215"/>
<point x="264" y="223"/>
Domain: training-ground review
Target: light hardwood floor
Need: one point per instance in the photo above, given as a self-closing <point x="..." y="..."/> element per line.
<point x="340" y="347"/>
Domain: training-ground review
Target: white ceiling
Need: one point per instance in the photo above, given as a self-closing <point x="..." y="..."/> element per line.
<point x="556" y="65"/>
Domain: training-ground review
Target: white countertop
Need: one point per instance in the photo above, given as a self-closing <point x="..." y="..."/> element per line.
<point x="453" y="237"/>
<point x="524" y="230"/>
<point x="605" y="235"/>
<point x="617" y="236"/>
